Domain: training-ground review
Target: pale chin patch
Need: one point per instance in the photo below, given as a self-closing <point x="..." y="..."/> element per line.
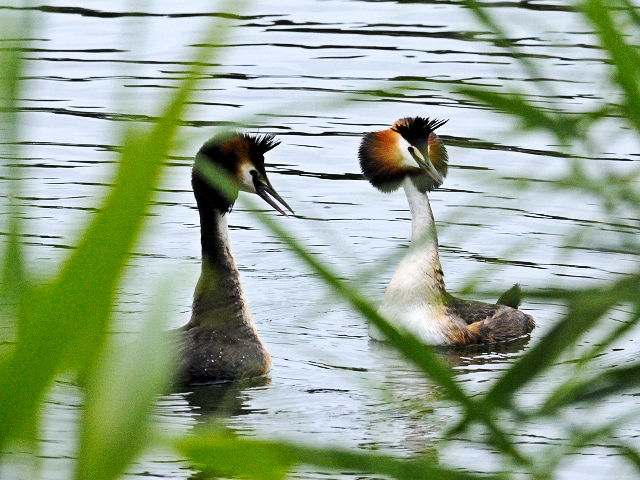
<point x="245" y="179"/>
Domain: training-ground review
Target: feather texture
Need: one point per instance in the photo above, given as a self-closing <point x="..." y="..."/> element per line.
<point x="387" y="156"/>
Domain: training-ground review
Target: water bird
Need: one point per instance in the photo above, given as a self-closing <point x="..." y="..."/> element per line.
<point x="220" y="341"/>
<point x="412" y="156"/>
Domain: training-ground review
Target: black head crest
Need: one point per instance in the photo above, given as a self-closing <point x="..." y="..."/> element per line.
<point x="415" y="129"/>
<point x="240" y="156"/>
<point x="258" y="146"/>
<point x="261" y="143"/>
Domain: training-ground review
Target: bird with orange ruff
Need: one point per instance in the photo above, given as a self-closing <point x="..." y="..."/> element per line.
<point x="412" y="156"/>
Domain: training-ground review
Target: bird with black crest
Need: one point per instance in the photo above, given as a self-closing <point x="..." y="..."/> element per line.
<point x="220" y="341"/>
<point x="412" y="156"/>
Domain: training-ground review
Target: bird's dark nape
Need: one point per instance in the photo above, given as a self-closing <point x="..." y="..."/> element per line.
<point x="512" y="297"/>
<point x="207" y="195"/>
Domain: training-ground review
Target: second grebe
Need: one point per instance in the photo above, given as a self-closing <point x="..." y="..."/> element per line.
<point x="411" y="155"/>
<point x="221" y="342"/>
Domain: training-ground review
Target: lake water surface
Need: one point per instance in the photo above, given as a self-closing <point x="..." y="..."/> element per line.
<point x="287" y="67"/>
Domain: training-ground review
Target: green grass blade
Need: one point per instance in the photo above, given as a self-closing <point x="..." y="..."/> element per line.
<point x="624" y="58"/>
<point x="10" y="86"/>
<point x="64" y="322"/>
<point x="416" y="352"/>
<point x="13" y="283"/>
<point x="220" y="454"/>
<point x="632" y="11"/>
<point x="610" y="382"/>
<point x="631" y="454"/>
<point x="111" y="235"/>
<point x="563" y="126"/>
<point x="420" y="355"/>
<point x="624" y="328"/>
<point x="119" y="399"/>
<point x="579" y="439"/>
<point x="585" y="309"/>
<point x="13" y="278"/>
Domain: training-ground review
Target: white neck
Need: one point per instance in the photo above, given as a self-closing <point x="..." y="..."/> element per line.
<point x="422" y="260"/>
<point x="423" y="227"/>
<point x="414" y="297"/>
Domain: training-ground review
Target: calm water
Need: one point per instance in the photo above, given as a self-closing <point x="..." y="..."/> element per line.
<point x="285" y="69"/>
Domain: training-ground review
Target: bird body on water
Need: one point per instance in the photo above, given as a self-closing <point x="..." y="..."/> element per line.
<point x="220" y="341"/>
<point x="411" y="155"/>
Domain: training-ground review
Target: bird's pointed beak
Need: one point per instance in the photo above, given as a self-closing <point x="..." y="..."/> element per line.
<point x="266" y="192"/>
<point x="426" y="165"/>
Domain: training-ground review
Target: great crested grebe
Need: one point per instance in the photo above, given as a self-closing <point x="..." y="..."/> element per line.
<point x="221" y="342"/>
<point x="411" y="155"/>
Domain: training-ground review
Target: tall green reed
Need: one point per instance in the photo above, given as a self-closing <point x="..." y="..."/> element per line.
<point x="60" y="324"/>
<point x="614" y="23"/>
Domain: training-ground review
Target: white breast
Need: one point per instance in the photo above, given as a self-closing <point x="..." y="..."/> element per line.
<point x="413" y="299"/>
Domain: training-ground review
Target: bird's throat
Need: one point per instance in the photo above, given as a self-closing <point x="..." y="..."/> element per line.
<point x="218" y="298"/>
<point x="419" y="276"/>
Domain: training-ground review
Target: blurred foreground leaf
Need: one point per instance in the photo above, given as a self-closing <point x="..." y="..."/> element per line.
<point x="632" y="455"/>
<point x="119" y="398"/>
<point x="63" y="322"/>
<point x="516" y="105"/>
<point x="13" y="278"/>
<point x="222" y="454"/>
<point x="585" y="309"/>
<point x="594" y="388"/>
<point x="421" y="355"/>
<point x="625" y="58"/>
